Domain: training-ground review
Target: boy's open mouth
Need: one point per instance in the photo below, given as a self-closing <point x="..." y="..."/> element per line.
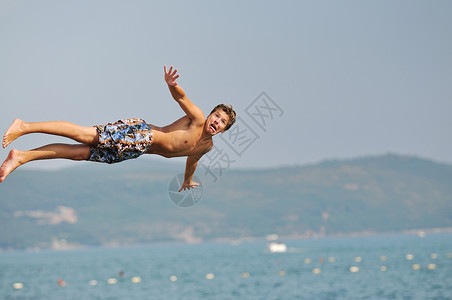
<point x="213" y="127"/>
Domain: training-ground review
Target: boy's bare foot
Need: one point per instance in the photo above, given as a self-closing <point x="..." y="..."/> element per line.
<point x="14" y="131"/>
<point x="10" y="164"/>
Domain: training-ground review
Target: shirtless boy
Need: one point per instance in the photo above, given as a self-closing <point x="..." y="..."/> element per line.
<point x="189" y="136"/>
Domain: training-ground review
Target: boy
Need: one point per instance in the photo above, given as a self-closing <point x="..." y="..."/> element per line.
<point x="189" y="136"/>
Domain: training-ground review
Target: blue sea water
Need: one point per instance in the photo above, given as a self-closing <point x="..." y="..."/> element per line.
<point x="377" y="267"/>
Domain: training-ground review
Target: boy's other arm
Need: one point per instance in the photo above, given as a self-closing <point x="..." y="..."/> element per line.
<point x="193" y="112"/>
<point x="190" y="168"/>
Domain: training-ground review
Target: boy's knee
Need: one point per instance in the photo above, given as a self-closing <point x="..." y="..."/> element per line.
<point x="90" y="136"/>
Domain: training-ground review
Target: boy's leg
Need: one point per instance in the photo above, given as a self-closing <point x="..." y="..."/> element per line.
<point x="82" y="134"/>
<point x="17" y="158"/>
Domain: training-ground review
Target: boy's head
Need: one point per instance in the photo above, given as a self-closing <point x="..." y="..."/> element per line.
<point x="229" y="112"/>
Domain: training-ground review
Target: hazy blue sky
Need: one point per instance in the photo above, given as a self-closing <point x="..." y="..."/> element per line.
<point x="351" y="78"/>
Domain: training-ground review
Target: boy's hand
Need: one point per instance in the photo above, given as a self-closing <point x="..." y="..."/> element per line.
<point x="170" y="76"/>
<point x="188" y="185"/>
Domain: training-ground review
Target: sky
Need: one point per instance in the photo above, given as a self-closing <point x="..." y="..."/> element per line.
<point x="310" y="80"/>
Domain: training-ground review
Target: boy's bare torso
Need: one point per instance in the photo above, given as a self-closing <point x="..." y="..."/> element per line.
<point x="181" y="138"/>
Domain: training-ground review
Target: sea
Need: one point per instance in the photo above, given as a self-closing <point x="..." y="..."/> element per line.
<point x="372" y="267"/>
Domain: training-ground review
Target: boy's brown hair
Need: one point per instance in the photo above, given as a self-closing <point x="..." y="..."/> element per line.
<point x="229" y="111"/>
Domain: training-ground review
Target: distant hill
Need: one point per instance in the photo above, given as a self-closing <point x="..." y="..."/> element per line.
<point x="129" y="204"/>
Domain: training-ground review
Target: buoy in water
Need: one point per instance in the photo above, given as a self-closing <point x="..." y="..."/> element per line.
<point x="136" y="279"/>
<point x="316" y="270"/>
<point x="354" y="269"/>
<point x="18" y="285"/>
<point x="92" y="282"/>
<point x="61" y="282"/>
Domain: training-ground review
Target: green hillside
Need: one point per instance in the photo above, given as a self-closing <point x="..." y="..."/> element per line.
<point x="129" y="204"/>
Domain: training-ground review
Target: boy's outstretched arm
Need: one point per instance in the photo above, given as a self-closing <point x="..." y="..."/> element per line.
<point x="178" y="93"/>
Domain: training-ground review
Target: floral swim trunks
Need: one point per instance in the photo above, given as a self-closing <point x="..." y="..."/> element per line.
<point x="122" y="140"/>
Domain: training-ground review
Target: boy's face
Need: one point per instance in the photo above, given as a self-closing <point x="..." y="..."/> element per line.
<point x="216" y="122"/>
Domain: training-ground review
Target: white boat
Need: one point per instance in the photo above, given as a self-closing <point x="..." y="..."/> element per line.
<point x="277" y="247"/>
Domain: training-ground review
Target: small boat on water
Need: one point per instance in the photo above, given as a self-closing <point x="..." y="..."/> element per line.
<point x="277" y="247"/>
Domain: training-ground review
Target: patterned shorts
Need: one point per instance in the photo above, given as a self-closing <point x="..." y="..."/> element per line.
<point x="122" y="140"/>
